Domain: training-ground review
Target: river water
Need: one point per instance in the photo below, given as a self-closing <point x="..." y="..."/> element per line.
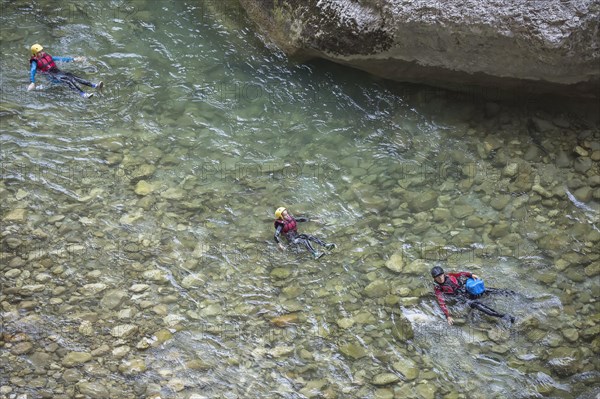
<point x="137" y="226"/>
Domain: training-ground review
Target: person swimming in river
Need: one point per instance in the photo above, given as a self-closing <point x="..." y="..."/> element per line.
<point x="455" y="284"/>
<point x="286" y="224"/>
<point x="44" y="63"/>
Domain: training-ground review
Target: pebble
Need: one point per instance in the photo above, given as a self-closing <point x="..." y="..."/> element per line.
<point x="76" y="358"/>
<point x="124" y="330"/>
<point x="385" y="379"/>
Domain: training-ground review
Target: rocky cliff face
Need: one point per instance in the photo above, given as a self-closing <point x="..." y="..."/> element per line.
<point x="534" y="45"/>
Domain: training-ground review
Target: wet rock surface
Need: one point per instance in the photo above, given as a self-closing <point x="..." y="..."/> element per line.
<point x="449" y="44"/>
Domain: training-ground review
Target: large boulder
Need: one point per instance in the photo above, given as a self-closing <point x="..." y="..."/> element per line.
<point x="540" y="46"/>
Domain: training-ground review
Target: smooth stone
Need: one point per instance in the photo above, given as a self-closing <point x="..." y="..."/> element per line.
<point x="581" y="151"/>
<point x="76" y="358"/>
<point x="571" y="334"/>
<point x="407" y="368"/>
<point x="137" y="288"/>
<point x="354" y="351"/>
<point x="132" y="367"/>
<point x="345" y="323"/>
<point x="584" y="194"/>
<point x="532" y="154"/>
<point x="441" y="214"/>
<point x="94" y="390"/>
<point x="385" y="379"/>
<point x="285" y="320"/>
<point x="396" y="262"/>
<point x="155" y="275"/>
<point x="491" y="143"/>
<point x="85" y="328"/>
<point x="592" y="270"/>
<point x="12" y="273"/>
<point x="280" y="351"/>
<point x="72" y="375"/>
<point x="426" y="390"/>
<point x="420" y="202"/>
<point x="474" y="222"/>
<point x="101" y="350"/>
<point x="462" y="211"/>
<point x="499" y="202"/>
<point x="143" y="188"/>
<point x="121" y="351"/>
<point x="376" y="289"/>
<point x="173" y="193"/>
<point x="511" y="170"/>
<point x="93" y="289"/>
<point x="113" y="298"/>
<point x="142" y="172"/>
<point x="281" y="273"/>
<point x="417" y="267"/>
<point x="21" y="348"/>
<point x="563" y="160"/>
<point x="595" y="156"/>
<point x="582" y="165"/>
<point x="16" y="215"/>
<point x="500" y="230"/>
<point x="123" y="330"/>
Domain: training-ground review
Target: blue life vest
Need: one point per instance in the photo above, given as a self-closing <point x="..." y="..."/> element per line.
<point x="475" y="287"/>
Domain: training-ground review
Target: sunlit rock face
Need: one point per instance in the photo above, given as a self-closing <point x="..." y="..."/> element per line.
<point x="540" y="46"/>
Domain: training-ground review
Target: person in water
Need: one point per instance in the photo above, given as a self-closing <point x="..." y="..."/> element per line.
<point x="44" y="62"/>
<point x="286" y="225"/>
<point x="454" y="284"/>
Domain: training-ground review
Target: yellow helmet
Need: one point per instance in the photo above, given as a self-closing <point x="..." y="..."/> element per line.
<point x="279" y="212"/>
<point x="36" y="48"/>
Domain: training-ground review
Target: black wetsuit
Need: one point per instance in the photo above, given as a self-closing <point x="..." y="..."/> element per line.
<point x="454" y="284"/>
<point x="289" y="230"/>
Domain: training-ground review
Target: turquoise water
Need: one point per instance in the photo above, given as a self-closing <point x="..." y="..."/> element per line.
<point x="137" y="225"/>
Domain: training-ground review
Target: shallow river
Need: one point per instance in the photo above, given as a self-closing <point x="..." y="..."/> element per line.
<point x="137" y="254"/>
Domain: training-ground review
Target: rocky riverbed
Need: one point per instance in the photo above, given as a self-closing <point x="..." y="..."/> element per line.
<point x="136" y="249"/>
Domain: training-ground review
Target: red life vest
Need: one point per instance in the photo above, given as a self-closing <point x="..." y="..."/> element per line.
<point x="45" y="63"/>
<point x="288" y="225"/>
<point x="451" y="285"/>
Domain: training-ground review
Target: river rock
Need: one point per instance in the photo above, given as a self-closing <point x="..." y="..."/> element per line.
<point x="94" y="390"/>
<point x="592" y="270"/>
<point x="474" y="222"/>
<point x="132" y="366"/>
<point x="595" y="156"/>
<point x="583" y="194"/>
<point x="377" y="289"/>
<point x="563" y="160"/>
<point x="385" y="379"/>
<point x="582" y="165"/>
<point x="462" y="211"/>
<point x="93" y="289"/>
<point x="285" y="320"/>
<point x="500" y="230"/>
<point x="396" y="262"/>
<point x="124" y="330"/>
<point x="511" y="170"/>
<point x="155" y="275"/>
<point x="21" y="348"/>
<point x="144" y="188"/>
<point x="281" y="273"/>
<point x="492" y="45"/>
<point x="16" y="215"/>
<point x="420" y="202"/>
<point x="407" y="368"/>
<point x="113" y="299"/>
<point x="173" y="193"/>
<point x="426" y="391"/>
<point x="76" y="358"/>
<point x="354" y="351"/>
<point x="499" y="202"/>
